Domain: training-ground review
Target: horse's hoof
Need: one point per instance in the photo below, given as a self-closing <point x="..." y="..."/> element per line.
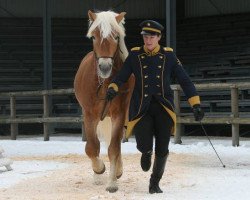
<point x="112" y="189"/>
<point x="102" y="171"/>
<point x="119" y="176"/>
<point x="98" y="179"/>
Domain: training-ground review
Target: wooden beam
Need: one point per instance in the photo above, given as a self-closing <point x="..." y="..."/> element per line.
<point x="13" y="126"/>
<point x="235" y="113"/>
<point x="41" y="120"/>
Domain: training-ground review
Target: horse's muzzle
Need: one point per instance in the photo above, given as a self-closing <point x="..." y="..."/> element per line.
<point x="105" y="67"/>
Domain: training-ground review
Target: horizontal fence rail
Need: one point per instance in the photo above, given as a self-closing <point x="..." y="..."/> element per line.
<point x="13" y="120"/>
<point x="232" y="118"/>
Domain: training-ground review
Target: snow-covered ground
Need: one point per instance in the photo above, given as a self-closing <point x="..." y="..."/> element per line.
<point x="193" y="171"/>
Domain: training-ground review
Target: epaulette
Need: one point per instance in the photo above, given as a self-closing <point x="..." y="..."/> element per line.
<point x="135" y="48"/>
<point x="168" y="49"/>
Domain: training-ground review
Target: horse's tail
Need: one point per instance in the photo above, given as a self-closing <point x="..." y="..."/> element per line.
<point x="104" y="129"/>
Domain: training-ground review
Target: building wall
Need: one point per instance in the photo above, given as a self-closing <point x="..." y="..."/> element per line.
<point x="199" y="8"/>
<point x="78" y="8"/>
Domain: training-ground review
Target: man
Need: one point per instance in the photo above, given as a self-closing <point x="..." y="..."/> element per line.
<point x="151" y="111"/>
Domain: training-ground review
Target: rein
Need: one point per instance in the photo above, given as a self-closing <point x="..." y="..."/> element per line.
<point x="105" y="109"/>
<point x="107" y="103"/>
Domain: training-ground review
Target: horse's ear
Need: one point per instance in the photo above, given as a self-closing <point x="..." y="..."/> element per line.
<point x="120" y="17"/>
<point x="92" y="15"/>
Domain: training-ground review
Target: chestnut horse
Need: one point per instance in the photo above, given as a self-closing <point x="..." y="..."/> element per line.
<point x="95" y="73"/>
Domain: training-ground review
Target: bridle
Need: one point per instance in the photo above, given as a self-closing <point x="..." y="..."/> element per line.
<point x="100" y="80"/>
<point x="106" y="102"/>
<point x="118" y="49"/>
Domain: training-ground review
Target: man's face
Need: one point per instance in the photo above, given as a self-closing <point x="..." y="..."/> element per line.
<point x="151" y="41"/>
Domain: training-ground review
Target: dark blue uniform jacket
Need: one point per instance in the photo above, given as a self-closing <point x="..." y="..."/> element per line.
<point x="153" y="73"/>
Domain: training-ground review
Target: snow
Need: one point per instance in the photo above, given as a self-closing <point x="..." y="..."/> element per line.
<point x="193" y="171"/>
<point x="24" y="170"/>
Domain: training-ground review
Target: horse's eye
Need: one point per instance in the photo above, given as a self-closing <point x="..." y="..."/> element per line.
<point x="116" y="37"/>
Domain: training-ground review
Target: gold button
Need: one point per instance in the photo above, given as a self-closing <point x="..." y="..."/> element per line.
<point x="145" y="86"/>
<point x="146" y="76"/>
<point x="145" y="95"/>
<point x="157" y="76"/>
<point x="145" y="66"/>
<point x="161" y="57"/>
<point x="159" y="66"/>
<point x="142" y="57"/>
<point x="158" y="85"/>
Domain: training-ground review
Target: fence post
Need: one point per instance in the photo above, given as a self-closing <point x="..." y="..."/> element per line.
<point x="80" y="112"/>
<point x="235" y="114"/>
<point x="83" y="133"/>
<point x="46" y="126"/>
<point x="177" y="136"/>
<point x="13" y="126"/>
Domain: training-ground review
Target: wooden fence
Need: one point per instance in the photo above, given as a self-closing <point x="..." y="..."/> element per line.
<point x="13" y="120"/>
<point x="234" y="118"/>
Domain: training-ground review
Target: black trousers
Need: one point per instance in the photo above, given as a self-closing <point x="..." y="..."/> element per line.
<point x="156" y="123"/>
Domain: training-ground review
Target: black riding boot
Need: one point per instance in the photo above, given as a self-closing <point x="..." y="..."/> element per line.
<point x="158" y="170"/>
<point x="146" y="161"/>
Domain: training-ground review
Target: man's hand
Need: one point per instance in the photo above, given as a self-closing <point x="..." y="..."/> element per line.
<point x="198" y="112"/>
<point x="111" y="93"/>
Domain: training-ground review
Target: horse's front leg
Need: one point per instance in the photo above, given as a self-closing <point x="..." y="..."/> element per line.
<point x="114" y="153"/>
<point x="92" y="147"/>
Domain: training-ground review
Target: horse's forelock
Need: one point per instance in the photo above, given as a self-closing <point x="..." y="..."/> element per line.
<point x="107" y="24"/>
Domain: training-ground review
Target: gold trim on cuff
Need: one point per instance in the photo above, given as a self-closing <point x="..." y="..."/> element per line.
<point x="113" y="85"/>
<point x="194" y="100"/>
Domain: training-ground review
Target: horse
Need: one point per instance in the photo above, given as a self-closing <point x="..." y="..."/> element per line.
<point x="94" y="74"/>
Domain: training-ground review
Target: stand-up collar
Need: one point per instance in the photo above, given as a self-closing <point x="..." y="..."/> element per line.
<point x="152" y="53"/>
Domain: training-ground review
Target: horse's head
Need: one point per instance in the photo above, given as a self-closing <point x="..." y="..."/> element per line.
<point x="106" y="31"/>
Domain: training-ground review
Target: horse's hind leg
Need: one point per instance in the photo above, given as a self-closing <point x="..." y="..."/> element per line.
<point x="92" y="147"/>
<point x="114" y="153"/>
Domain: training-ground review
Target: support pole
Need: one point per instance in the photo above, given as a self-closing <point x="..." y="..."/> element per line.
<point x="235" y="114"/>
<point x="46" y="126"/>
<point x="47" y="63"/>
<point x="171" y="23"/>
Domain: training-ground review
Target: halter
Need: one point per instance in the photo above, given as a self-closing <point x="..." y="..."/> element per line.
<point x="111" y="57"/>
<point x="101" y="80"/>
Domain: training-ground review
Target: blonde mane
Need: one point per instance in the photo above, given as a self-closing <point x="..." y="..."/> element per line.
<point x="107" y="24"/>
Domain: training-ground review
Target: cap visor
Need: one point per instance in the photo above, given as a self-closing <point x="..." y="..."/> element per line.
<point x="148" y="33"/>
